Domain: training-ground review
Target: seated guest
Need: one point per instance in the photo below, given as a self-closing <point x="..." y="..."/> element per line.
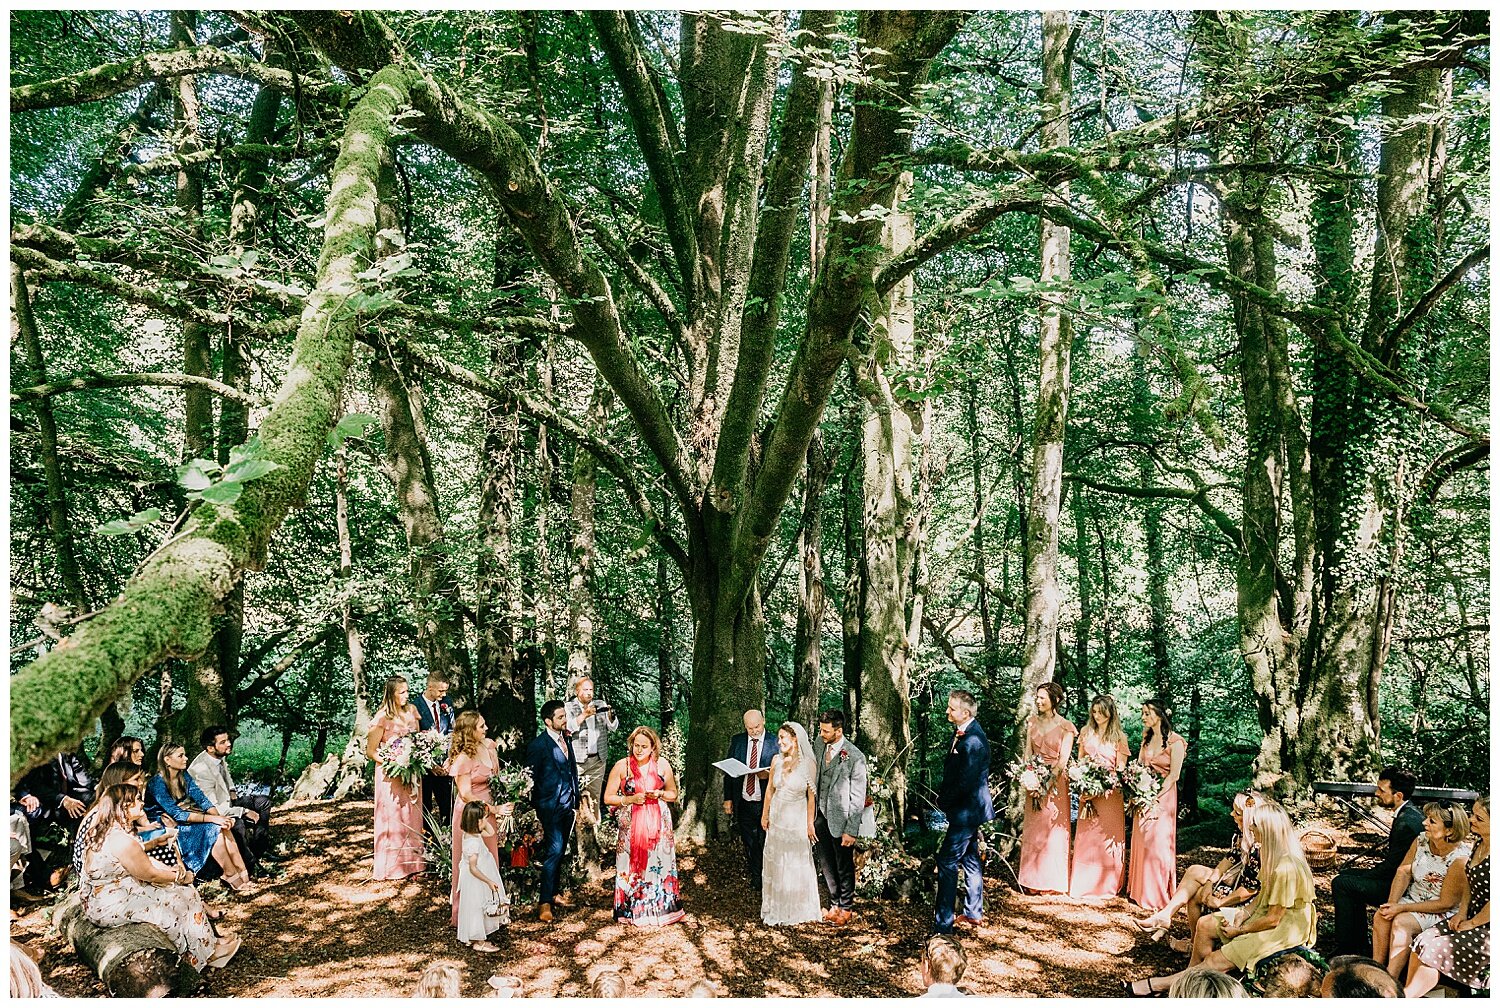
<point x="1354" y="889"/>
<point x="1459" y="947"/>
<point x="943" y="964"/>
<point x="1235" y="880"/>
<point x="1427" y="886"/>
<point x="128" y="748"/>
<point x="121" y="885"/>
<point x="201" y="826"/>
<point x="440" y="980"/>
<point x="1291" y="974"/>
<point x="55" y="793"/>
<point x="157" y="839"/>
<point x="25" y="976"/>
<point x="608" y="984"/>
<point x="1358" y="977"/>
<point x="1281" y="917"/>
<point x="1205" y="983"/>
<point x="251" y="814"/>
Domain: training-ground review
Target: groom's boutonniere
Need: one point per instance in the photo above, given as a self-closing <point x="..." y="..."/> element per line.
<point x="843" y="755"/>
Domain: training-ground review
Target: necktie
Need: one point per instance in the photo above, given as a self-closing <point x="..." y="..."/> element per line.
<point x="754" y="762"/>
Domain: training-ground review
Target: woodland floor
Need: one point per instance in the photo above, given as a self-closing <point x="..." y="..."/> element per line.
<point x="324" y="929"/>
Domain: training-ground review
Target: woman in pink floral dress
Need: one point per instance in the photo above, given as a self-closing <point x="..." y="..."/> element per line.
<point x="1045" y="833"/>
<point x="640" y="787"/>
<point x="398" y="806"/>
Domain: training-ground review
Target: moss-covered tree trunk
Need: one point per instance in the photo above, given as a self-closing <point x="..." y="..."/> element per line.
<point x="168" y="607"/>
<point x="1044" y="508"/>
<point x="893" y="425"/>
<point x="582" y="612"/>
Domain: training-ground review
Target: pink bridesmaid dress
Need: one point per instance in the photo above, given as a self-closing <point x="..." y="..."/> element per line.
<point x="478" y="769"/>
<point x="398" y="811"/>
<point x="1044" y="837"/>
<point x="1099" y="844"/>
<point x="1153" y="849"/>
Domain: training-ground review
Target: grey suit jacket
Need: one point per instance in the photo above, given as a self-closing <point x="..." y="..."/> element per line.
<point x="841" y="788"/>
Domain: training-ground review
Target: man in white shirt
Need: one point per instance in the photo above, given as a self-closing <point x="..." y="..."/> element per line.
<point x="590" y="721"/>
<point x="251" y="813"/>
<point x="744" y="797"/>
<point x="943" y="965"/>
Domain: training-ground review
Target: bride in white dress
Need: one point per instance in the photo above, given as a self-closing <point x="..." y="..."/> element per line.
<point x="789" y="882"/>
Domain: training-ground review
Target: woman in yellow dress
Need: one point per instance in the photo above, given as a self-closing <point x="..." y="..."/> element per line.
<point x="1281" y="917"/>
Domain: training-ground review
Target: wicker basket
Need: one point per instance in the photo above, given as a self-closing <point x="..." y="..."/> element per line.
<point x="1320" y="848"/>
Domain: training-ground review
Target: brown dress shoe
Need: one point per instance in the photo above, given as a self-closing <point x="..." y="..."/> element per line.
<point x="545" y="913"/>
<point x="561" y="900"/>
<point x="830" y="914"/>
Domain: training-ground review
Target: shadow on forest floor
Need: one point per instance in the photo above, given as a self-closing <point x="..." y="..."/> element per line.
<point x="324" y="929"/>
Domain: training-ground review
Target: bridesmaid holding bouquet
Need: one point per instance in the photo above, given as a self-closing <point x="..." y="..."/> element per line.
<point x="1099" y="844"/>
<point x="1044" y="837"/>
<point x="398" y="805"/>
<point x="1153" y="851"/>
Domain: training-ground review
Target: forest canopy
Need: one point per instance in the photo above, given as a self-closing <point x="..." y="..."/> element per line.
<point x="794" y="360"/>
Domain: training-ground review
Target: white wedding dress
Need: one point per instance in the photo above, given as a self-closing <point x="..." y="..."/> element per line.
<point x="789" y="882"/>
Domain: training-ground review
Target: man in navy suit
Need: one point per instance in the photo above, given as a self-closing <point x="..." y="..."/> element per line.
<point x="1356" y="889"/>
<point x="745" y="797"/>
<point x="965" y="798"/>
<point x="434" y="711"/>
<point x="554" y="793"/>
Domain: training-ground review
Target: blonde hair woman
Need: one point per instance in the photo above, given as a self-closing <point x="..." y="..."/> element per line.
<point x="639" y="788"/>
<point x="1099" y="843"/>
<point x="1282" y="916"/>
<point x="398" y="807"/>
<point x="1427" y="886"/>
<point x="788" y="880"/>
<point x="202" y="829"/>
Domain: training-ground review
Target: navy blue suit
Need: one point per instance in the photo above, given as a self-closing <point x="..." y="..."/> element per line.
<point x="554" y="794"/>
<point x="1356" y="889"/>
<point x="437" y="789"/>
<point x="747" y="813"/>
<point x="964" y="797"/>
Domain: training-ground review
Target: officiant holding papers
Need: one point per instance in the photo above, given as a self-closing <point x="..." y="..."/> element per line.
<point x="744" y="797"/>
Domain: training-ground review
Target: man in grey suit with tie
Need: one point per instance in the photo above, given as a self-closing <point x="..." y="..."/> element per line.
<point x="842" y="779"/>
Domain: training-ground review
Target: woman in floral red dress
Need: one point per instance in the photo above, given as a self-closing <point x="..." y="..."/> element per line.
<point x="640" y="787"/>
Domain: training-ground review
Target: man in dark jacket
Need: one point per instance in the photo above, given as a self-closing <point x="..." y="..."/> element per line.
<point x="554" y="792"/>
<point x="56" y="793"/>
<point x="1356" y="889"/>
<point x="964" y="797"/>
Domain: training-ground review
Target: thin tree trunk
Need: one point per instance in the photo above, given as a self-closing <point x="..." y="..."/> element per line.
<point x="666" y="643"/>
<point x="1143" y="416"/>
<point x="582" y="612"/>
<point x="1084" y="630"/>
<point x="851" y="493"/>
<point x="807" y="644"/>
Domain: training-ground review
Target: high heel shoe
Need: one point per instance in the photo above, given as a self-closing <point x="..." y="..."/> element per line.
<point x="221" y="959"/>
<point x="1156" y="933"/>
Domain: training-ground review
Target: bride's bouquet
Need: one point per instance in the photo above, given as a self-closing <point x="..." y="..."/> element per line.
<point x="407" y="757"/>
<point x="1092" y="779"/>
<point x="1035" y="776"/>
<point x="1142" y="785"/>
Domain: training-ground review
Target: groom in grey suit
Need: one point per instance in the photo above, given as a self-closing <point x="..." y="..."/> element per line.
<point x="842" y="778"/>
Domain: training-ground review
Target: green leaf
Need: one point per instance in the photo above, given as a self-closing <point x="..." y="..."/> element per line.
<point x="249" y="469"/>
<point x="350" y="426"/>
<point x="125" y="526"/>
<point x="196" y="475"/>
<point x="222" y="493"/>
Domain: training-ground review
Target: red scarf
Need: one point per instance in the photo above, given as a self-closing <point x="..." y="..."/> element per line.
<point x="645" y="819"/>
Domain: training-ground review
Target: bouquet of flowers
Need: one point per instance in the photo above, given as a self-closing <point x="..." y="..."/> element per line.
<point x="1035" y="776"/>
<point x="407" y="757"/>
<point x="510" y="783"/>
<point x="1142" y="785"/>
<point x="1092" y="779"/>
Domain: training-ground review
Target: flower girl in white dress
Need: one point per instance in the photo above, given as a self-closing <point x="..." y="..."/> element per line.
<point x="482" y="901"/>
<point x="789" y="882"/>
